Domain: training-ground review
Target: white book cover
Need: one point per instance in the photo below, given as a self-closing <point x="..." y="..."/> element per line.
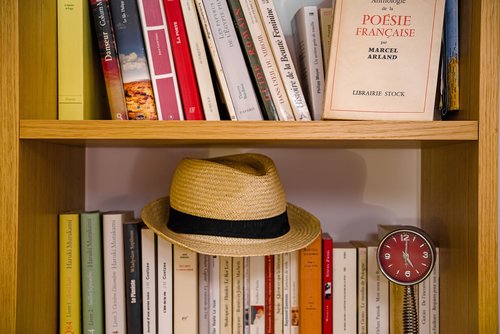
<point x="148" y="258"/>
<point x="434" y="296"/>
<point x="307" y="37"/>
<point x="287" y="327"/>
<point x="185" y="290"/>
<point x="294" y="293"/>
<point x="278" y="293"/>
<point x="378" y="295"/>
<point x="424" y="326"/>
<point x="214" y="295"/>
<point x="159" y="53"/>
<point x="384" y="60"/>
<point x="200" y="60"/>
<point x="232" y="60"/>
<point x="238" y="284"/>
<point x="257" y="295"/>
<point x="344" y="288"/>
<point x="226" y="295"/>
<point x="114" y="270"/>
<point x="269" y="65"/>
<point x="246" y="293"/>
<point x="204" y="293"/>
<point x="361" y="292"/>
<point x="165" y="285"/>
<point x="283" y="58"/>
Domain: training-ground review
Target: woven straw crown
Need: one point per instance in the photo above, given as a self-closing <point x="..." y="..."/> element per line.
<point x="214" y="202"/>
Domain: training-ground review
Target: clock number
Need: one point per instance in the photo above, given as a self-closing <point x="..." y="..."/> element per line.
<point x="425" y="255"/>
<point x="405" y="237"/>
<point x="387" y="256"/>
<point x="407" y="273"/>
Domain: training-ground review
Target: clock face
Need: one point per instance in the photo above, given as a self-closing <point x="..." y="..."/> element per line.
<point x="406" y="256"/>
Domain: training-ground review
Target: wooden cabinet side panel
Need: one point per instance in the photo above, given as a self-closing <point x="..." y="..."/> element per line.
<point x="52" y="180"/>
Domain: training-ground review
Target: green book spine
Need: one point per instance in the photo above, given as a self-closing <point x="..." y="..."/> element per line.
<point x="92" y="274"/>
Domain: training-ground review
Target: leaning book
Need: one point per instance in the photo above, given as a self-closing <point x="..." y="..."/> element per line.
<point x="384" y="60"/>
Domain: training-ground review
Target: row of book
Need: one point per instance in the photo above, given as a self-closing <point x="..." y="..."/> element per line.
<point x="116" y="276"/>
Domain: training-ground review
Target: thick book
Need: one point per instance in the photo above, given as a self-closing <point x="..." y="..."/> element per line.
<point x="265" y="54"/>
<point x="149" y="287"/>
<point x="186" y="290"/>
<point x="190" y="96"/>
<point x="310" y="278"/>
<point x="133" y="276"/>
<point x="252" y="59"/>
<point x="203" y="293"/>
<point x="238" y="286"/>
<point x="286" y="67"/>
<point x="160" y="60"/>
<point x="327" y="281"/>
<point x="137" y="83"/>
<point x="344" y="288"/>
<point x="114" y="270"/>
<point x="69" y="273"/>
<point x="307" y="38"/>
<point x="109" y="59"/>
<point x="257" y="274"/>
<point x="237" y="75"/>
<point x="200" y="60"/>
<point x="384" y="60"/>
<point x="81" y="90"/>
<point x="451" y="58"/>
<point x="164" y="285"/>
<point x="91" y="272"/>
<point x="325" y="28"/>
<point x="226" y="294"/>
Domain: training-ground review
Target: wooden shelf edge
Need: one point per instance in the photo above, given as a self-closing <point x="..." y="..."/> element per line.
<point x="247" y="131"/>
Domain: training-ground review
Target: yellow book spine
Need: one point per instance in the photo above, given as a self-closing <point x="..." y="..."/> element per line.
<point x="69" y="273"/>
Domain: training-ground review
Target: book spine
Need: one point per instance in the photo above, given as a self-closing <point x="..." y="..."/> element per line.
<point x="200" y="60"/>
<point x="149" y="274"/>
<point x="286" y="294"/>
<point x="310" y="287"/>
<point x="186" y="291"/>
<point x="451" y="55"/>
<point x="133" y="279"/>
<point x="204" y="293"/>
<point x="362" y="290"/>
<point x="214" y="295"/>
<point x="226" y="295"/>
<point x="139" y="95"/>
<point x="165" y="285"/>
<point x="434" y="296"/>
<point x="278" y="293"/>
<point x="270" y="67"/>
<point x="114" y="271"/>
<point x="344" y="289"/>
<point x="238" y="283"/>
<point x="310" y="62"/>
<point x="229" y="49"/>
<point x="424" y="307"/>
<point x="325" y="28"/>
<point x="282" y="55"/>
<point x="252" y="60"/>
<point x="69" y="273"/>
<point x="269" y="293"/>
<point x="216" y="61"/>
<point x="327" y="262"/>
<point x="91" y="272"/>
<point x="161" y="64"/>
<point x="191" y="101"/>
<point x="246" y="293"/>
<point x="377" y="295"/>
<point x="109" y="59"/>
<point x="257" y="295"/>
<point x="294" y="293"/>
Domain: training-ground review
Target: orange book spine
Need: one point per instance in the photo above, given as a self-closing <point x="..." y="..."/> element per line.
<point x="310" y="291"/>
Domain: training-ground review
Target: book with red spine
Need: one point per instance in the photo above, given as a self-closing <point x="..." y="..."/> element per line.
<point x="188" y="86"/>
<point x="161" y="64"/>
<point x="327" y="245"/>
<point x="269" y="290"/>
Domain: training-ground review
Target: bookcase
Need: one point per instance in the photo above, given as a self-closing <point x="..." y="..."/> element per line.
<point x="42" y="166"/>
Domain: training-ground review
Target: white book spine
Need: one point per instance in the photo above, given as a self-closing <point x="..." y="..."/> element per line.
<point x="165" y="288"/>
<point x="294" y="293"/>
<point x="246" y="293"/>
<point x="159" y="51"/>
<point x="204" y="293"/>
<point x="434" y="296"/>
<point x="310" y="61"/>
<point x="283" y="58"/>
<point x="271" y="72"/>
<point x="238" y="283"/>
<point x="362" y="275"/>
<point x="214" y="295"/>
<point x="257" y="295"/>
<point x="200" y="60"/>
<point x="286" y="294"/>
<point x="278" y="293"/>
<point x="226" y="295"/>
<point x="185" y="291"/>
<point x="148" y="252"/>
<point x="114" y="271"/>
<point x="378" y="295"/>
<point x="233" y="63"/>
<point x="424" y="307"/>
<point x="216" y="61"/>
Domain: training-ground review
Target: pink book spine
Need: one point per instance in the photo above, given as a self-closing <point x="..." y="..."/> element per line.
<point x="159" y="51"/>
<point x="188" y="86"/>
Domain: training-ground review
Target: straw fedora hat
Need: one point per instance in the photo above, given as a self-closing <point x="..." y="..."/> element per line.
<point x="230" y="206"/>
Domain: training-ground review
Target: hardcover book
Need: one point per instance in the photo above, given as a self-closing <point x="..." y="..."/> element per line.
<point x="191" y="101"/>
<point x="134" y="65"/>
<point x="91" y="271"/>
<point x="384" y="60"/>
<point x="109" y="59"/>
<point x="160" y="60"/>
<point x="133" y="275"/>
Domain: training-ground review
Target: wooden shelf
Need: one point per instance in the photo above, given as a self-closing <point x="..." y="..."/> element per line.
<point x="330" y="133"/>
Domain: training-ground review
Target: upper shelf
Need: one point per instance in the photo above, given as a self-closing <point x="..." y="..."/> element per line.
<point x="274" y="133"/>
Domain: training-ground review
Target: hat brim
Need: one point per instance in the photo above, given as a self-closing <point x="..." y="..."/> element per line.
<point x="304" y="229"/>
